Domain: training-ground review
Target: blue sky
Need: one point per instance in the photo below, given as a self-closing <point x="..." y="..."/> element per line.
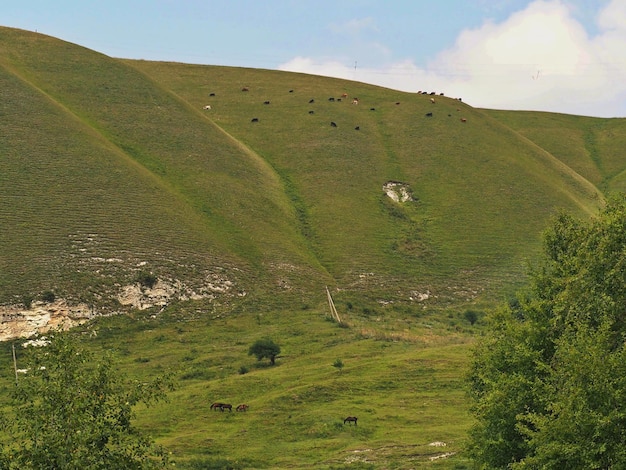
<point x="552" y="55"/>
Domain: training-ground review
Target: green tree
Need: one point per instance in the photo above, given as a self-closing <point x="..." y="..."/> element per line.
<point x="265" y="348"/>
<point x="74" y="411"/>
<point x="548" y="380"/>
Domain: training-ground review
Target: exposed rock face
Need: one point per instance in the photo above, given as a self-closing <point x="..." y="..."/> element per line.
<point x="20" y="322"/>
<point x="159" y="295"/>
<point x="399" y="192"/>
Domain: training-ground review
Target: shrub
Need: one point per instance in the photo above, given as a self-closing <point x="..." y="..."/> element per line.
<point x="48" y="296"/>
<point x="146" y="279"/>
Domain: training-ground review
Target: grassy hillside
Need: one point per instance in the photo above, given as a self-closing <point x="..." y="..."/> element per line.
<point x="482" y="191"/>
<point x="117" y="160"/>
<point x="110" y="168"/>
<point x="593" y="147"/>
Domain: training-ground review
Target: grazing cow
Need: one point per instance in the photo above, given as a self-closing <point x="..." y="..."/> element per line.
<point x="331" y="99"/>
<point x="424" y="93"/>
<point x="432" y="100"/>
<point x="350" y="419"/>
<point x="433" y="93"/>
<point x="344" y="95"/>
<point x="211" y="94"/>
<point x="357" y="128"/>
<point x="242" y="408"/>
<point x="311" y="112"/>
<point x="208" y="106"/>
<point x="254" y="120"/>
<point x="245" y="89"/>
<point x="332" y="124"/>
<point x="290" y="91"/>
<point x="440" y="94"/>
<point x="355" y="101"/>
<point x="372" y="109"/>
<point x="397" y="102"/>
<point x="311" y="100"/>
<point x="429" y="114"/>
<point x="266" y="102"/>
<point x="463" y="120"/>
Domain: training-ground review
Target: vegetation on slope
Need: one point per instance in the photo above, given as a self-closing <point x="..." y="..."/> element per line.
<point x="548" y="378"/>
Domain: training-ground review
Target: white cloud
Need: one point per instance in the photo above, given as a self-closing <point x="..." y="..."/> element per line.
<point x="539" y="58"/>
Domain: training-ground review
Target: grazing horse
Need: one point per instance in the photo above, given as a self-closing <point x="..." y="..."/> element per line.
<point x="350" y="419"/>
<point x="228" y="406"/>
<point x="242" y="408"/>
<point x="216" y="405"/>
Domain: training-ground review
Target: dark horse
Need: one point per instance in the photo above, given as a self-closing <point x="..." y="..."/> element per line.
<point x="350" y="419"/>
<point x="221" y="406"/>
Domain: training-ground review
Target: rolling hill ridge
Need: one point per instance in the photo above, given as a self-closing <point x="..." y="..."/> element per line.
<point x="111" y="168"/>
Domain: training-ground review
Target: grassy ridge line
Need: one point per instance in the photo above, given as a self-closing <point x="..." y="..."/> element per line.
<point x="223" y="189"/>
<point x="55" y="196"/>
<point x="581" y="191"/>
<point x="591" y="146"/>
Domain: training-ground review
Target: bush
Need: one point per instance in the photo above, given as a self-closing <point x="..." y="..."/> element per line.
<point x="471" y="316"/>
<point x="146" y="279"/>
<point x="48" y="296"/>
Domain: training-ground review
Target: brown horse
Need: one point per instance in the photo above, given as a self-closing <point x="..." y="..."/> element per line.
<point x="350" y="419"/>
<point x="242" y="408"/>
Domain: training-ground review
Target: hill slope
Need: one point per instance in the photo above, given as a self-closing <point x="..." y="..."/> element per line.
<point x="110" y="167"/>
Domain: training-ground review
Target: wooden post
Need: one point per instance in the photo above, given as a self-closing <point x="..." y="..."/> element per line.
<point x="14" y="362"/>
<point x="331" y="304"/>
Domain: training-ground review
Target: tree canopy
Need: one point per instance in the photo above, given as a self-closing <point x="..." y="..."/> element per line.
<point x="265" y="348"/>
<point x="74" y="411"/>
<point x="548" y="381"/>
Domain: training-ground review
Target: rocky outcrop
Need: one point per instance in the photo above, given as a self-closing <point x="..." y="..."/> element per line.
<point x="21" y="322"/>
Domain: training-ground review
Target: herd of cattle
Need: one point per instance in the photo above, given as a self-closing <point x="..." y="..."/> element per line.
<point x="355" y="101"/>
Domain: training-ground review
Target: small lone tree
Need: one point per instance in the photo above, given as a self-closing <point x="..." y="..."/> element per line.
<point x="338" y="364"/>
<point x="265" y="348"/>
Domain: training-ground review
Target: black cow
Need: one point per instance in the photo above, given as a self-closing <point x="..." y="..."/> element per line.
<point x="429" y="114"/>
<point x="254" y="120"/>
<point x="332" y="124"/>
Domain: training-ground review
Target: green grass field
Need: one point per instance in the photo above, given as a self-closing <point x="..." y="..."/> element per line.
<point x="110" y="168"/>
<point x="402" y="378"/>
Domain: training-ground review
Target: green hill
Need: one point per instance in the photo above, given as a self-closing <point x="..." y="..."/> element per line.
<point x="112" y="169"/>
<point x="117" y="159"/>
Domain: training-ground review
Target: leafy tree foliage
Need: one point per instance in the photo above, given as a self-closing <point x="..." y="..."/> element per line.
<point x="549" y="380"/>
<point x="74" y="411"/>
<point x="265" y="348"/>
